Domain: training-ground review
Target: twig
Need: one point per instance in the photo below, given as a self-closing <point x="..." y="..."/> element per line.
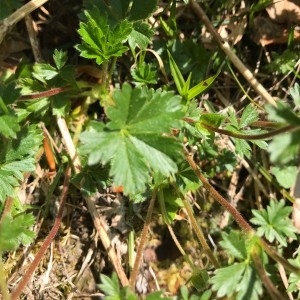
<point x="33" y="38"/>
<point x="139" y="252"/>
<point x="9" y="22"/>
<point x="231" y="55"/>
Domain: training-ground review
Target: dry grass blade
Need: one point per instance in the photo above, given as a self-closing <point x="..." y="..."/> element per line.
<point x="97" y="218"/>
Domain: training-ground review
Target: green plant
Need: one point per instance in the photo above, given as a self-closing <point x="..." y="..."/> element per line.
<point x="134" y="135"/>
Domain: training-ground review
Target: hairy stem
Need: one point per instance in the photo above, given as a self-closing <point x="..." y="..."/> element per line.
<point x="25" y="279"/>
<point x="234" y="212"/>
<point x="262" y="136"/>
<point x="245" y="226"/>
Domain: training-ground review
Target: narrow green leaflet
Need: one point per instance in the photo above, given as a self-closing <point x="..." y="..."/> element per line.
<point x="176" y="73"/>
<point x="274" y="222"/>
<point x="201" y="87"/>
<point x="137" y="140"/>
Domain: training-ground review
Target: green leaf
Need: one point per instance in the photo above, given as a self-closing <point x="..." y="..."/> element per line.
<point x="285" y="175"/>
<point x="9" y="92"/>
<point x="111" y="287"/>
<point x="186" y="178"/>
<point x="9" y="126"/>
<point x="100" y="146"/>
<point x="239" y="280"/>
<point x="201" y="87"/>
<point x="15" y="230"/>
<point x="44" y="72"/>
<point x="157" y="159"/>
<point x="140" y="10"/>
<point x="249" y="115"/>
<point x="140" y="35"/>
<point x="285" y="147"/>
<point x="242" y="148"/>
<point x="234" y="244"/>
<point x="18" y="157"/>
<point x="282" y="113"/>
<point x="274" y="222"/>
<point x="177" y="76"/>
<point x="60" y="104"/>
<point x="144" y="74"/>
<point x="60" y="58"/>
<point x="91" y="179"/>
<point x="226" y="285"/>
<point x="294" y="279"/>
<point x="136" y="139"/>
<point x="128" y="168"/>
<point x="99" y="40"/>
<point x="212" y="119"/>
<point x="295" y="93"/>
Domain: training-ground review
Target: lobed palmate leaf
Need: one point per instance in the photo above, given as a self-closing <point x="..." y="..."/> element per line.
<point x="137" y="138"/>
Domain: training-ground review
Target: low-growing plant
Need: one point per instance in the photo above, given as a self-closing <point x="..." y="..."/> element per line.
<point x="148" y="139"/>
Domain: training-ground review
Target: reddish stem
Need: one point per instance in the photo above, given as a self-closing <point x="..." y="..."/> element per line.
<point x="44" y="94"/>
<point x="16" y="293"/>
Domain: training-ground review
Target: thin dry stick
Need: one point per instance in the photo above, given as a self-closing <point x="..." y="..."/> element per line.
<point x="140" y="249"/>
<point x="33" y="38"/>
<point x="26" y="277"/>
<point x="9" y="22"/>
<point x="97" y="218"/>
<point x="231" y="55"/>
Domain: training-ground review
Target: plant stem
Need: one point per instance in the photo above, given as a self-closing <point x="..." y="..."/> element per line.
<point x="245" y="226"/>
<point x="140" y="249"/>
<point x="272" y="291"/>
<point x="20" y="287"/>
<point x="234" y="212"/>
<point x="262" y="136"/>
